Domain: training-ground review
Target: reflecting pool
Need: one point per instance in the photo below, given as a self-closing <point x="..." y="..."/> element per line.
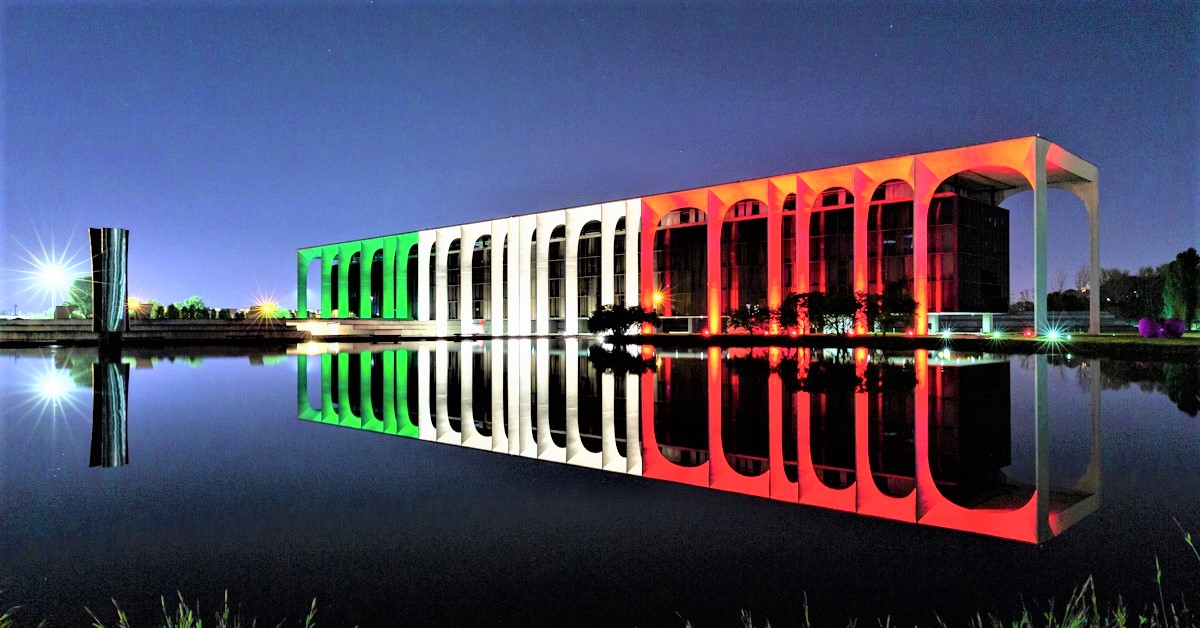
<point x="870" y="484"/>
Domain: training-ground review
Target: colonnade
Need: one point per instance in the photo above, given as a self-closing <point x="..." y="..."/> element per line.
<point x="523" y="307"/>
<point x="521" y="408"/>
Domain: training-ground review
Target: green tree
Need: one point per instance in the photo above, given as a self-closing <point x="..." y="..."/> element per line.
<point x="1181" y="288"/>
<point x="617" y="321"/>
<point x="172" y="311"/>
<point x="79" y="296"/>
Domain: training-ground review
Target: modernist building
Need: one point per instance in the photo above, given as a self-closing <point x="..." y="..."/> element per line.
<point x="926" y="225"/>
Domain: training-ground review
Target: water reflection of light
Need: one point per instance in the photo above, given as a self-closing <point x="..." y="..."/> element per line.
<point x="54" y="385"/>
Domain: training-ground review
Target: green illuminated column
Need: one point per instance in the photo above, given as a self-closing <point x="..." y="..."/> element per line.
<point x="387" y="309"/>
<point x="404" y="243"/>
<point x="328" y="255"/>
<point x="345" y="255"/>
<point x="405" y="425"/>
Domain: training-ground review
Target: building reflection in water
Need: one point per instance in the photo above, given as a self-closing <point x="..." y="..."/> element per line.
<point x="919" y="437"/>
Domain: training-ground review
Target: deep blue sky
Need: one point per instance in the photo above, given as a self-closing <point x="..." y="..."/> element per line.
<point x="226" y="135"/>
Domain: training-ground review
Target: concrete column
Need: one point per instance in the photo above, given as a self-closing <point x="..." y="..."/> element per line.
<point x="1040" y="322"/>
<point x="608" y="229"/>
<point x="1041" y="440"/>
<point x="528" y="447"/>
<point x="110" y="414"/>
<point x="512" y="355"/>
<point x="499" y="230"/>
<point x="714" y="208"/>
<point x="633" y="268"/>
<point x="425" y="244"/>
<point x="499" y="427"/>
<point x="1089" y="193"/>
<point x="529" y="231"/>
<point x="387" y="309"/>
<point x="425" y="427"/>
<point x="441" y="395"/>
<point x="345" y="254"/>
<point x="633" y="421"/>
<point x="924" y="185"/>
<point x="366" y="261"/>
<point x="302" y="261"/>
<point x="862" y="206"/>
<point x="328" y="254"/>
<point x="804" y="199"/>
<point x="441" y="280"/>
<point x="774" y="246"/>
<point x="544" y="228"/>
<point x="466" y="256"/>
<point x="514" y="269"/>
<point x="986" y="326"/>
<point x="470" y="434"/>
<point x="645" y="262"/>
<point x="611" y="459"/>
<point x="571" y="275"/>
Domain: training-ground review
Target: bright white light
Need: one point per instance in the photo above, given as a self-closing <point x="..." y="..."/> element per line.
<point x="48" y="273"/>
<point x="54" y="384"/>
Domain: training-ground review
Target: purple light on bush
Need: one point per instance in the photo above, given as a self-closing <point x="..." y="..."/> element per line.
<point x="1149" y="328"/>
<point x="1173" y="328"/>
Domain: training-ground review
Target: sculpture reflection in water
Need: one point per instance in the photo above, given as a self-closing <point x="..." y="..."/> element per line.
<point x="917" y="437"/>
<point x="110" y="401"/>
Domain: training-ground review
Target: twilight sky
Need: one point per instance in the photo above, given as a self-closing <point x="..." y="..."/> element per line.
<point x="226" y="135"/>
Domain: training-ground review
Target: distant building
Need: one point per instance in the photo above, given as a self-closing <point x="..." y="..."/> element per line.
<point x="926" y="225"/>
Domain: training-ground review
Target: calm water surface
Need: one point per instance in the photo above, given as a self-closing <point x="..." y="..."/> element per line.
<point x="688" y="484"/>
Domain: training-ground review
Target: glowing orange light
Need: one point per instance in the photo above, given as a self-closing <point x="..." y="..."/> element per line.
<point x="911" y="332"/>
<point x="795" y="333"/>
<point x="657" y="298"/>
<point x="1028" y="333"/>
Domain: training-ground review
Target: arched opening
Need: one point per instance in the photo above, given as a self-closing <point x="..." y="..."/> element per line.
<point x="681" y="411"/>
<point x="377" y="384"/>
<point x="431" y="297"/>
<point x="588" y="268"/>
<point x="619" y="263"/>
<point x="533" y="277"/>
<point x="481" y="278"/>
<point x="312" y="290"/>
<point x="376" y="296"/>
<point x="787" y="271"/>
<point x="970" y="436"/>
<point x="454" y="399"/>
<point x="1068" y="257"/>
<point x="557" y="279"/>
<point x="413" y="392"/>
<point x="744" y="255"/>
<point x="354" y="294"/>
<point x="891" y="441"/>
<point x="890" y="240"/>
<point x="681" y="264"/>
<point x="831" y="243"/>
<point x="411" y="281"/>
<point x="745" y="430"/>
<point x="453" y="279"/>
<point x="558" y="397"/>
<point x="831" y="384"/>
<point x="591" y="404"/>
<point x="335" y="286"/>
<point x="481" y="389"/>
<point x="505" y="305"/>
<point x="968" y="236"/>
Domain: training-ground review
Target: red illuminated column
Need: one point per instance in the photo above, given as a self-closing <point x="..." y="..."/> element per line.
<point x="645" y="261"/>
<point x="925" y="185"/>
<point x="715" y="217"/>
<point x="774" y="247"/>
<point x="862" y="204"/>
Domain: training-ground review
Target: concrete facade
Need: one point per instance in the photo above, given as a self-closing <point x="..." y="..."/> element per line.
<point x="524" y="307"/>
